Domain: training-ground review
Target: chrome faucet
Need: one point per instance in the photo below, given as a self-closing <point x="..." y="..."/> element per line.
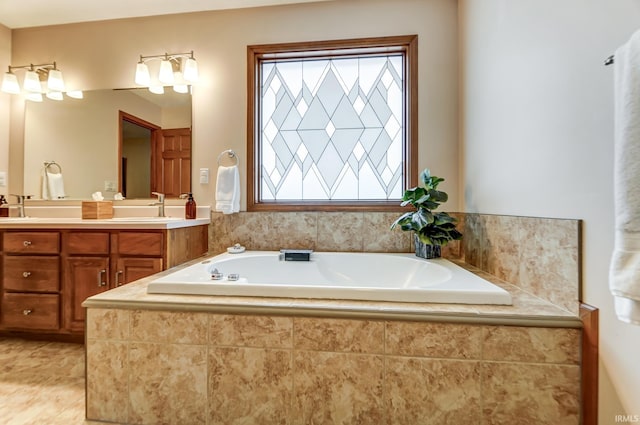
<point x="159" y="203"/>
<point x="20" y="204"/>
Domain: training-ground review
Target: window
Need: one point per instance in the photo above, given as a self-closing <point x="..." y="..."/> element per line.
<point x="332" y="125"/>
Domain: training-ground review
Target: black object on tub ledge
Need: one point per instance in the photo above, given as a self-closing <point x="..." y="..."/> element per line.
<point x="295" y="254"/>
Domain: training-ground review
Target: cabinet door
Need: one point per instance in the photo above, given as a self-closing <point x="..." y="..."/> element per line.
<point x="130" y="269"/>
<point x="83" y="277"/>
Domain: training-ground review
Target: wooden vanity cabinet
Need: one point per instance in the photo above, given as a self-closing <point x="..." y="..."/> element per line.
<point x="30" y="281"/>
<point x="47" y="274"/>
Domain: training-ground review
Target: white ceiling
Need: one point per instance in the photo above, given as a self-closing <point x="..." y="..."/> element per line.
<point x="34" y="13"/>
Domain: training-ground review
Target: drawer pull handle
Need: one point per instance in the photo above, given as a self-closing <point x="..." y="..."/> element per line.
<point x="26" y="243"/>
<point x="101" y="282"/>
<point x="26" y="274"/>
<point x="27" y="312"/>
<point x="118" y="274"/>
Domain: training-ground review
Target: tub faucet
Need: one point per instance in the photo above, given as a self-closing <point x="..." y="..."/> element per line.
<point x="20" y="203"/>
<point x="159" y="203"/>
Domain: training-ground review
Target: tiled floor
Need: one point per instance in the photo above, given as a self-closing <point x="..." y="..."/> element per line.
<point x="41" y="383"/>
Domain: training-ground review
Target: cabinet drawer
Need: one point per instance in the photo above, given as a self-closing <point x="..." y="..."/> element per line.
<point x="34" y="274"/>
<point x="85" y="243"/>
<point x="141" y="243"/>
<point x="31" y="242"/>
<point x="30" y="311"/>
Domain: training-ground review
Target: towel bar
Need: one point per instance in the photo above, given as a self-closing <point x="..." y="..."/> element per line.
<point x="51" y="164"/>
<point x="231" y="154"/>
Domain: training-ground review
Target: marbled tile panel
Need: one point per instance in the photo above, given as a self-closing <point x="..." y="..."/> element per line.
<point x="536" y="345"/>
<point x="341" y="231"/>
<point x="377" y="237"/>
<point x="530" y="394"/>
<point x="169" y="327"/>
<point x="338" y="388"/>
<point x="249" y="386"/>
<point x="251" y="331"/>
<point x="263" y="230"/>
<point x="432" y="391"/>
<point x="339" y="335"/>
<point x="550" y="264"/>
<point x="167" y="383"/>
<point x="107" y="380"/>
<point x="105" y="323"/>
<point x="473" y="235"/>
<point x="426" y="339"/>
<point x="501" y="247"/>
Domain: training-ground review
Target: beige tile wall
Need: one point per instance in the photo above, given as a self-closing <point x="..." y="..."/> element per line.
<point x="540" y="255"/>
<point x="205" y="368"/>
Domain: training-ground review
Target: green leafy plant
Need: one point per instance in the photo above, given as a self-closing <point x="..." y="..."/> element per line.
<point x="431" y="228"/>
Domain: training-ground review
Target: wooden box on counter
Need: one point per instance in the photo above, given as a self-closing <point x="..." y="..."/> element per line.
<point x="97" y="209"/>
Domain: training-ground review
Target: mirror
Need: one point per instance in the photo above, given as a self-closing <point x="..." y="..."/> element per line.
<point x="84" y="137"/>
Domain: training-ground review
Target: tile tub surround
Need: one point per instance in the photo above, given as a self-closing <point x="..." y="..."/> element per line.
<point x="221" y="368"/>
<point x="294" y="361"/>
<point x="539" y="255"/>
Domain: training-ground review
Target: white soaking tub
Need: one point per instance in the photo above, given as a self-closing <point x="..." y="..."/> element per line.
<point x="333" y="275"/>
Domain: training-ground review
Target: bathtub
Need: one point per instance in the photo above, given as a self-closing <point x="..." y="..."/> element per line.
<point x="333" y="275"/>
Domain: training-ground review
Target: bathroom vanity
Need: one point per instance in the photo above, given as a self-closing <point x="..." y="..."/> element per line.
<point x="51" y="265"/>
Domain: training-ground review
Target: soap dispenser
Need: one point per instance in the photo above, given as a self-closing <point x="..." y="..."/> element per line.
<point x="190" y="207"/>
<point x="4" y="208"/>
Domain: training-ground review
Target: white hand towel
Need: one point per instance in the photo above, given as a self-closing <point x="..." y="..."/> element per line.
<point x="228" y="190"/>
<point x="624" y="272"/>
<point x="52" y="186"/>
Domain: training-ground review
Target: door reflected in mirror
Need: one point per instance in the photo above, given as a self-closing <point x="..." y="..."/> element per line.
<point x="153" y="159"/>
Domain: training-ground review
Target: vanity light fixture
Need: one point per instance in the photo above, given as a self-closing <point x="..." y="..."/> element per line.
<point x="176" y="69"/>
<point x="39" y="79"/>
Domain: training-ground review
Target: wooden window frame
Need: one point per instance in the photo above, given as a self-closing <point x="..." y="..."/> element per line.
<point x="407" y="44"/>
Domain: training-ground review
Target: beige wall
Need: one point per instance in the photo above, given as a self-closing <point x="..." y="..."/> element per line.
<point x="5" y="104"/>
<point x="103" y="55"/>
<point x="537" y="132"/>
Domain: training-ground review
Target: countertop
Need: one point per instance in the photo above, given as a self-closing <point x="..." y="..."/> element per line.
<point x="111" y="223"/>
<point x="124" y="217"/>
<point x="527" y="310"/>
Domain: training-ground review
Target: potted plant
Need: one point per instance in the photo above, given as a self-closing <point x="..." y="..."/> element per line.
<point x="431" y="230"/>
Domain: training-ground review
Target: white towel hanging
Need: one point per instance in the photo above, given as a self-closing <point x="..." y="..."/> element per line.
<point x="624" y="273"/>
<point x="228" y="186"/>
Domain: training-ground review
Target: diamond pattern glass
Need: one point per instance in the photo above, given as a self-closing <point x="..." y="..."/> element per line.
<point x="332" y="129"/>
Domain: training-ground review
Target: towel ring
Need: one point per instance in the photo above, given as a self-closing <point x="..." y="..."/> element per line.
<point x="231" y="155"/>
<point x="52" y="164"/>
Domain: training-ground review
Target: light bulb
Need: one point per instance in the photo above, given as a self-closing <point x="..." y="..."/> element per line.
<point x="54" y="95"/>
<point x="55" y="81"/>
<point x="32" y="82"/>
<point x="190" y="70"/>
<point x="142" y="74"/>
<point x="166" y="72"/>
<point x="179" y="86"/>
<point x="33" y="96"/>
<point x="10" y="83"/>
<point x="156" y="89"/>
<point x="75" y="94"/>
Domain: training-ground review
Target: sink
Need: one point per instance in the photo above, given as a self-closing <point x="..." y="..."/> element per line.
<point x="17" y="219"/>
<point x="146" y="218"/>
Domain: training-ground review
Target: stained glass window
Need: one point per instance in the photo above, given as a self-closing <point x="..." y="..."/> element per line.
<point x="332" y="127"/>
